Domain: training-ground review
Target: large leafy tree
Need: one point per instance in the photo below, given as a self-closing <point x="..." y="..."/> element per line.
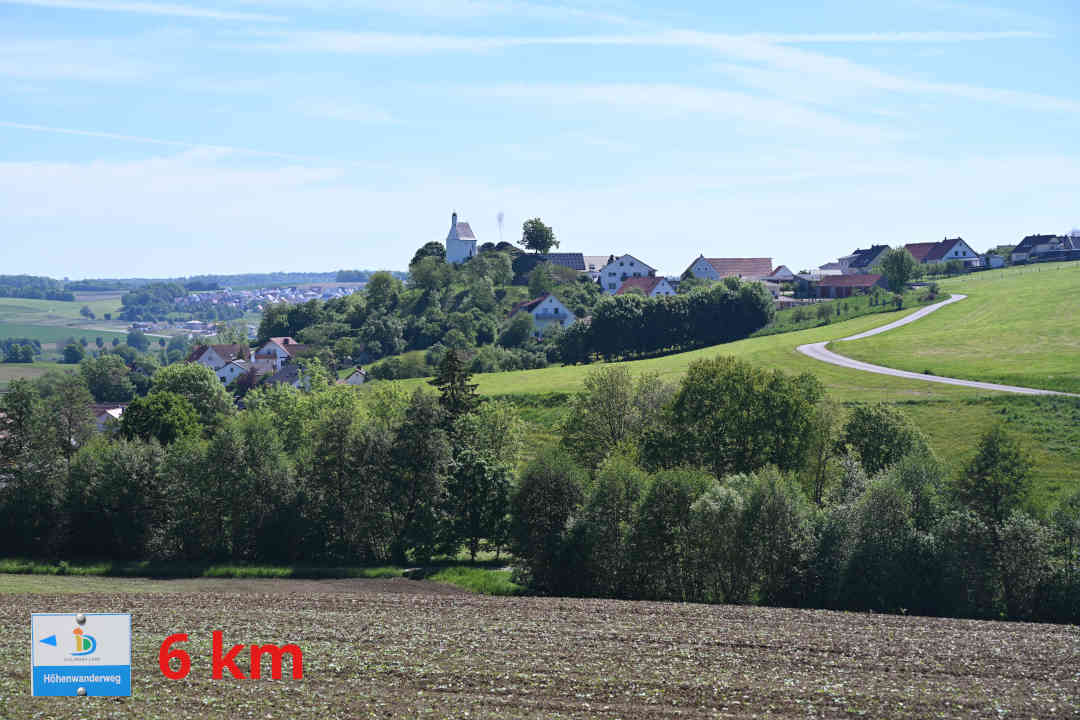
<point x="107" y="378"/>
<point x="163" y="415"/>
<point x="882" y="435"/>
<point x="898" y="266"/>
<point x="430" y="249"/>
<point x="537" y="236"/>
<point x="200" y="386"/>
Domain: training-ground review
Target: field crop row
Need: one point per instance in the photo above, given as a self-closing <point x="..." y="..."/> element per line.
<point x="372" y="651"/>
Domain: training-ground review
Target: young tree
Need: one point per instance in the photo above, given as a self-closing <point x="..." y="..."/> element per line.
<point x="517" y="331"/>
<point x="995" y="482"/>
<point x="68" y="407"/>
<point x="137" y="340"/>
<point x="73" y="353"/>
<point x="898" y="266"/>
<point x="537" y="236"/>
<point x="457" y="395"/>
<point x="881" y="435"/>
<point x="477" y="500"/>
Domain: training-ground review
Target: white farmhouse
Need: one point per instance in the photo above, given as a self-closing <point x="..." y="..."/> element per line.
<point x="232" y="370"/>
<point x="217" y="356"/>
<point x="460" y="241"/>
<point x="619" y="269"/>
<point x="651" y="286"/>
<point x="276" y="353"/>
<point x="546" y="310"/>
<point x="720" y="268"/>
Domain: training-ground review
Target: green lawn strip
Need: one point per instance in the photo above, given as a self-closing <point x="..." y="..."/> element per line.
<point x="1017" y="327"/>
<point x="148" y="569"/>
<point x="56" y="333"/>
<point x="55" y="312"/>
<point x="849" y="309"/>
<point x="28" y="371"/>
<point x="483" y="580"/>
<point x="775" y="351"/>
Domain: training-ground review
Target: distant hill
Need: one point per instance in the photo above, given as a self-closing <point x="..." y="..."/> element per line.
<point x="199" y="282"/>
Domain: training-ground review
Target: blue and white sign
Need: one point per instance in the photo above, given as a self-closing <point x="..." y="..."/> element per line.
<point x="66" y="655"/>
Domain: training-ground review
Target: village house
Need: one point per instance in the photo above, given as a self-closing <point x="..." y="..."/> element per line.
<point x="357" y="377"/>
<point x="276" y="353"/>
<point x="861" y="261"/>
<point x="232" y="370"/>
<point x="750" y="269"/>
<point x="619" y="269"/>
<point x="842" y="286"/>
<point x="107" y="415"/>
<point x="650" y="286"/>
<point x="573" y="261"/>
<point x="1047" y="247"/>
<point x="546" y="310"/>
<point x="595" y="263"/>
<point x="217" y="356"/>
<point x="944" y="251"/>
<point x="780" y="274"/>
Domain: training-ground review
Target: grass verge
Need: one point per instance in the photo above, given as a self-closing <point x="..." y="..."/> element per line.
<point x="486" y="581"/>
<point x="151" y="569"/>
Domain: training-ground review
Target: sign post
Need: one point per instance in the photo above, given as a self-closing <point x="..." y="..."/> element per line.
<point x="77" y="654"/>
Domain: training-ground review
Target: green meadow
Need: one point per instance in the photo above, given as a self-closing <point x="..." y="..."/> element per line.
<point x="28" y="371"/>
<point x="1019" y="326"/>
<point x="1007" y="320"/>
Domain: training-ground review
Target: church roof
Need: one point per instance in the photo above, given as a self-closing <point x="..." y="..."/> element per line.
<point x="464" y="232"/>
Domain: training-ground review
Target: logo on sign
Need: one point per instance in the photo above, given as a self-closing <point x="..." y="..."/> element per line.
<point x="84" y="644"/>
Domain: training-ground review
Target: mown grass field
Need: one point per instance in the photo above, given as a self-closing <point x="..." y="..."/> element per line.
<point x="406" y="649"/>
<point x="951" y="417"/>
<point x="1019" y="326"/>
<point x="58" y="312"/>
<point x="55" y="333"/>
<point x="28" y="371"/>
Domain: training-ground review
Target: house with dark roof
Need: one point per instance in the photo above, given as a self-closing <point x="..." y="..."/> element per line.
<point x="574" y="261"/>
<point x="842" y="286"/>
<point x="718" y="268"/>
<point x="943" y="251"/>
<point x="619" y="269"/>
<point x="861" y="261"/>
<point x="650" y="286"/>
<point x="546" y="310"/>
<point x="1047" y="247"/>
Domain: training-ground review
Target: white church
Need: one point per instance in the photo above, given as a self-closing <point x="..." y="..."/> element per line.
<point x="460" y="241"/>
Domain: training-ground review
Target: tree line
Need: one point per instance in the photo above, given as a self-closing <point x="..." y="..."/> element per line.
<point x="632" y="325"/>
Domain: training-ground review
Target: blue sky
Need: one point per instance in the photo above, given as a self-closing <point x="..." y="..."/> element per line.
<point x="143" y="138"/>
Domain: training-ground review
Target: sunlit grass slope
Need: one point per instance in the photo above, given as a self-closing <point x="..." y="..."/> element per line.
<point x="1019" y="326"/>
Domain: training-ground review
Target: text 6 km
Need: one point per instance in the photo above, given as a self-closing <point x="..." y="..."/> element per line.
<point x="222" y="661"/>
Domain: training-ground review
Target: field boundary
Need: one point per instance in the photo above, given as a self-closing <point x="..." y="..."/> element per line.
<point x="818" y="351"/>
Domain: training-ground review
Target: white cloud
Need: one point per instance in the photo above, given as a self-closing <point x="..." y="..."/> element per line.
<point x="148" y="8"/>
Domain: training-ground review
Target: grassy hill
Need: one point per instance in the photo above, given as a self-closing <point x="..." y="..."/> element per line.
<point x="1019" y="326"/>
<point x="1011" y="304"/>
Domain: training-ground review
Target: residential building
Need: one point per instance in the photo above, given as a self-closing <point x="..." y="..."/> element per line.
<point x="276" y="353"/>
<point x="780" y="274"/>
<point x="944" y="251"/>
<point x="619" y="269"/>
<point x="546" y="310"/>
<point x="232" y="370"/>
<point x="595" y="263"/>
<point x="460" y="241"/>
<point x="860" y="261"/>
<point x="719" y="268"/>
<point x="357" y="377"/>
<point x="994" y="261"/>
<point x="1047" y="247"/>
<point x="106" y="414"/>
<point x="842" y="286"/>
<point x="651" y="286"/>
<point x="574" y="261"/>
<point x="217" y="356"/>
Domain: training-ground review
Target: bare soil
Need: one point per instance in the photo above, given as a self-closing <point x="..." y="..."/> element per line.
<point x="404" y="649"/>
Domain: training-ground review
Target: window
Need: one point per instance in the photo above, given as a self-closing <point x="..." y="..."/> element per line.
<point x="556" y="311"/>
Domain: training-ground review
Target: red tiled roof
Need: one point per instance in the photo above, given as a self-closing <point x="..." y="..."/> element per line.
<point x="742" y="267"/>
<point x="528" y="305"/>
<point x="919" y="251"/>
<point x="646" y="284"/>
<point x="225" y="352"/>
<point x="867" y="280"/>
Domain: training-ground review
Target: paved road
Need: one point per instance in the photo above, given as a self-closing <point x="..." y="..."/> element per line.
<point x="818" y="352"/>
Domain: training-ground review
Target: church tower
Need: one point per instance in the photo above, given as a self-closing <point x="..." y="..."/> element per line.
<point x="460" y="241"/>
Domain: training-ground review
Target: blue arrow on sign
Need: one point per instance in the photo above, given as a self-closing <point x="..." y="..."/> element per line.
<point x="51" y="640"/>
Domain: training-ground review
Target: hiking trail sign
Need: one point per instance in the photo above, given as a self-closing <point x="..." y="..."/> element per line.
<point x="80" y="654"/>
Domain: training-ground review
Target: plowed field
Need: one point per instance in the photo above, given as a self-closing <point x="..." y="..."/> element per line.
<point x="374" y="651"/>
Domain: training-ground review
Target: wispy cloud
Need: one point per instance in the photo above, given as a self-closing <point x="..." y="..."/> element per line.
<point x="772" y="57"/>
<point x="463" y="9"/>
<point x="148" y="8"/>
<point x="219" y="149"/>
<point x="352" y="112"/>
<point x="754" y="113"/>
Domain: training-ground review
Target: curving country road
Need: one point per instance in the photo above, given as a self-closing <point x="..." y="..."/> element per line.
<point x="818" y="352"/>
